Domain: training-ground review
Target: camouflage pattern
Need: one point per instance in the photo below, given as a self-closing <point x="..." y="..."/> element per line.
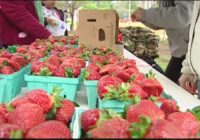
<point x="141" y="42"/>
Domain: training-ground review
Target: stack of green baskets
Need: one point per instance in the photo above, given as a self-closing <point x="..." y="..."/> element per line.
<point x="2" y="88"/>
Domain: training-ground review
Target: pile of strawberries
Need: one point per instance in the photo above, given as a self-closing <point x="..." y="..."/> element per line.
<point x="144" y="119"/>
<point x="11" y="62"/>
<point x="37" y="115"/>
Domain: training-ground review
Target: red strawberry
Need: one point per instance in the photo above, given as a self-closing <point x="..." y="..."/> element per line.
<point x="81" y="62"/>
<point x="109" y="69"/>
<point x="41" y="98"/>
<point x="5" y="54"/>
<point x="14" y="65"/>
<point x="59" y="72"/>
<point x="152" y="87"/>
<point x="129" y="63"/>
<point x="114" y="128"/>
<point x="48" y="130"/>
<point x="131" y="70"/>
<point x="98" y="59"/>
<point x="137" y="78"/>
<point x="7" y="70"/>
<point x="3" y="113"/>
<point x="164" y="129"/>
<point x="123" y="75"/>
<point x="113" y="60"/>
<point x="6" y="130"/>
<point x="19" y="59"/>
<point x="105" y="82"/>
<point x="52" y="68"/>
<point x="89" y="119"/>
<point x="19" y="101"/>
<point x="93" y="66"/>
<point x="122" y="65"/>
<point x="22" y="50"/>
<point x="137" y="90"/>
<point x="76" y="71"/>
<point x="186" y="122"/>
<point x="91" y="75"/>
<point x="26" y="116"/>
<point x="54" y="60"/>
<point x="65" y="112"/>
<point x="144" y="108"/>
<point x="169" y="106"/>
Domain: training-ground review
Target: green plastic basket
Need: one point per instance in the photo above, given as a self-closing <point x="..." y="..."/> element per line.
<point x="14" y="83"/>
<point x="92" y="93"/>
<point x="2" y="88"/>
<point x="115" y="105"/>
<point x="69" y="85"/>
<point x="79" y="122"/>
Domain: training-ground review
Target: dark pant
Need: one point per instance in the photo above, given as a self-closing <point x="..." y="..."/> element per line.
<point x="173" y="71"/>
<point x="152" y="62"/>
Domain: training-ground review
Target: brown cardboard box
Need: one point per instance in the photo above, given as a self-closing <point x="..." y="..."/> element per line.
<point x="98" y="28"/>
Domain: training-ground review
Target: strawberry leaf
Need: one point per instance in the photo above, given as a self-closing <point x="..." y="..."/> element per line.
<point x="16" y="134"/>
<point x="196" y="112"/>
<point x="150" y="74"/>
<point x="69" y="73"/>
<point x="45" y="72"/>
<point x="139" y="129"/>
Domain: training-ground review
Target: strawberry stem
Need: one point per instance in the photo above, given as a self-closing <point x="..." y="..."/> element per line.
<point x="139" y="129"/>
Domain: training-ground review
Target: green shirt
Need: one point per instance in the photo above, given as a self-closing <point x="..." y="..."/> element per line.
<point x="39" y="10"/>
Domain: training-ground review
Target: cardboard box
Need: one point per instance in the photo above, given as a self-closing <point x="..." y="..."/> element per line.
<point x="98" y="28"/>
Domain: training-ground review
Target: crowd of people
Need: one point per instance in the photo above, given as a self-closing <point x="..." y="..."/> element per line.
<point x="24" y="21"/>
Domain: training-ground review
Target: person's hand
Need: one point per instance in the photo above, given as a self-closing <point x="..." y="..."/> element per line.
<point x="51" y="21"/>
<point x="187" y="82"/>
<point x="137" y="14"/>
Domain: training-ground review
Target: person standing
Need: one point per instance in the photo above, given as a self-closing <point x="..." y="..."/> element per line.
<point x="190" y="78"/>
<point x="21" y="22"/>
<point x="54" y="16"/>
<point x="175" y="18"/>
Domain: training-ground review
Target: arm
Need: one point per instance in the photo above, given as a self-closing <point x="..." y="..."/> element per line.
<point x="16" y="13"/>
<point x="177" y="17"/>
<point x="186" y="67"/>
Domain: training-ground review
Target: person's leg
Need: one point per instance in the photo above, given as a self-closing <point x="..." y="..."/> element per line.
<point x="198" y="89"/>
<point x="173" y="70"/>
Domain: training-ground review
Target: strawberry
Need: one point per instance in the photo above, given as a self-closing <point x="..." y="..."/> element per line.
<point x="59" y="72"/>
<point x="6" y="70"/>
<point x="81" y="62"/>
<point x="26" y="116"/>
<point x="22" y="50"/>
<point x="98" y="59"/>
<point x="152" y="86"/>
<point x="113" y="60"/>
<point x="93" y="66"/>
<point x="129" y="63"/>
<point x="91" y="75"/>
<point x="89" y="119"/>
<point x="113" y="128"/>
<point x="137" y="90"/>
<point x="54" y="60"/>
<point x="169" y="106"/>
<point x="131" y="70"/>
<point x="14" y="65"/>
<point x="65" y="112"/>
<point x="164" y="129"/>
<point x="3" y="113"/>
<point x="137" y="78"/>
<point x="41" y="98"/>
<point x="144" y="108"/>
<point x="124" y="76"/>
<point x="109" y="69"/>
<point x="5" y="54"/>
<point x="105" y="82"/>
<point x="20" y="100"/>
<point x="186" y="122"/>
<point x="19" y="59"/>
<point x="49" y="129"/>
<point x="10" y="131"/>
